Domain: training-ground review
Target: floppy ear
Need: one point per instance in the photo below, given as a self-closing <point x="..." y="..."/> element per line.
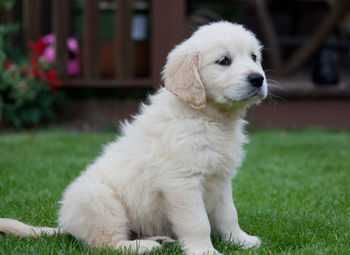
<point x="181" y="77"/>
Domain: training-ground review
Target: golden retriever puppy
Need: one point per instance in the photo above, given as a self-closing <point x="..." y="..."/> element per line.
<point x="169" y="173"/>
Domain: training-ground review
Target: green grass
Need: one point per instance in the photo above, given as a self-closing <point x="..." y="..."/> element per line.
<point x="293" y="190"/>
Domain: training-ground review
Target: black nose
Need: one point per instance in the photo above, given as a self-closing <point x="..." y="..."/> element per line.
<point x="256" y="79"/>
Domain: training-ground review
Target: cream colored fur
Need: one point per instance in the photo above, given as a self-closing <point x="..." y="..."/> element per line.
<point x="170" y="171"/>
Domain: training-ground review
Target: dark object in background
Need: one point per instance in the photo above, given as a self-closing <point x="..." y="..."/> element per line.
<point x="326" y="68"/>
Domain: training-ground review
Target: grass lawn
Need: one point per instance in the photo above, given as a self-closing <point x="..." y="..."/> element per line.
<point x="293" y="190"/>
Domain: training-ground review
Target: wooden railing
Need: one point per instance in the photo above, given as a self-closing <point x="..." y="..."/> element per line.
<point x="167" y="25"/>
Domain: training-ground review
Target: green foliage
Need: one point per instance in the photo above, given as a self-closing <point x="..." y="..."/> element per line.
<point x="6" y="50"/>
<point x="6" y="5"/>
<point x="292" y="190"/>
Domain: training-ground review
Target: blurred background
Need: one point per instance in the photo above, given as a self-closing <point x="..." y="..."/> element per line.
<point x="87" y="64"/>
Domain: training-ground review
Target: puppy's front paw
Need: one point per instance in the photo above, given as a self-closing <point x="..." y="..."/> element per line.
<point x="248" y="241"/>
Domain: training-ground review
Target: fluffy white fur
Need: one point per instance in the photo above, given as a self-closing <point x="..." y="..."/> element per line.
<point x="169" y="173"/>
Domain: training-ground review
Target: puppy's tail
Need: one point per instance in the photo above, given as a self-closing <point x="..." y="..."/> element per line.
<point x="15" y="227"/>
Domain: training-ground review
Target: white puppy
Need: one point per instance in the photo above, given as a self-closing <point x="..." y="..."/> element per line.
<point x="169" y="173"/>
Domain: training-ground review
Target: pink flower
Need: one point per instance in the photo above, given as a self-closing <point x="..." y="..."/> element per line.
<point x="50" y="54"/>
<point x="72" y="45"/>
<point x="49" y="39"/>
<point x="45" y="47"/>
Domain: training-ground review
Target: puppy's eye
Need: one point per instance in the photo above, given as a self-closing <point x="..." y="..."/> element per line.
<point x="254" y="57"/>
<point x="224" y="61"/>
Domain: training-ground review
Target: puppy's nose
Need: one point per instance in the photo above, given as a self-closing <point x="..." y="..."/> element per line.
<point x="256" y="79"/>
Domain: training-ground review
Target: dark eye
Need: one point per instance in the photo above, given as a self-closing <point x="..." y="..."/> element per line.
<point x="224" y="61"/>
<point x="254" y="57"/>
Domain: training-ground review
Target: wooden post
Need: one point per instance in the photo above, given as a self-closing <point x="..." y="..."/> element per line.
<point x="61" y="21"/>
<point x="268" y="33"/>
<point x="168" y="29"/>
<point x="33" y="19"/>
<point x="123" y="39"/>
<point x="90" y="39"/>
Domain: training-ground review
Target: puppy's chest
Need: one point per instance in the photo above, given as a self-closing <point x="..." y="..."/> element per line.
<point x="220" y="151"/>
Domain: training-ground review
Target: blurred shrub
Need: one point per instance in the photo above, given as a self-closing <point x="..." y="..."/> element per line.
<point x="28" y="92"/>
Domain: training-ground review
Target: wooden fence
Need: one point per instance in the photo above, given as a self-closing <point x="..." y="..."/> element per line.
<point x="167" y="25"/>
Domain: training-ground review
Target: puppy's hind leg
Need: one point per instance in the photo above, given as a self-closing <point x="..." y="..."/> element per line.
<point x="99" y="218"/>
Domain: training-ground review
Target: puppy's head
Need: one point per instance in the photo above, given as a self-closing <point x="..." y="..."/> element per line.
<point x="221" y="64"/>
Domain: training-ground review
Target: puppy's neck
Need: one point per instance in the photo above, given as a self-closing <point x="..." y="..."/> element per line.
<point x="224" y="114"/>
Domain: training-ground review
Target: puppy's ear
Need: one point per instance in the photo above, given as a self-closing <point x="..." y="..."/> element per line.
<point x="181" y="77"/>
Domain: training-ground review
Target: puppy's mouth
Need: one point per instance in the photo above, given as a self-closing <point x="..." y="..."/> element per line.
<point x="251" y="95"/>
<point x="256" y="94"/>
